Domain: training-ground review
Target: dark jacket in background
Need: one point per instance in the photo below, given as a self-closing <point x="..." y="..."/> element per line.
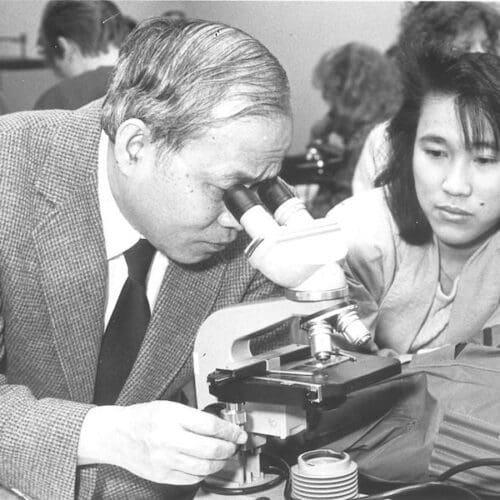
<point x="73" y="93"/>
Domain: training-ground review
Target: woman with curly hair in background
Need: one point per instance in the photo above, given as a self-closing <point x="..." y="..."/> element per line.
<point x="361" y="87"/>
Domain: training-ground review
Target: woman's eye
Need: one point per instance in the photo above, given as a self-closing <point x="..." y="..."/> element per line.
<point x="486" y="156"/>
<point x="436" y="153"/>
<point x="485" y="160"/>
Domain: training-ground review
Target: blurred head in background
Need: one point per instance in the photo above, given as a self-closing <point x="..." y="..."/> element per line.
<point x="452" y="26"/>
<point x="79" y="36"/>
<point x="360" y="86"/>
<point x="175" y="15"/>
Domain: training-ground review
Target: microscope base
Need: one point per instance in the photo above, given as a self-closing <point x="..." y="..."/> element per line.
<point x="275" y="493"/>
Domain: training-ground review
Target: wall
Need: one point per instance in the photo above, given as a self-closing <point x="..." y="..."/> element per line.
<point x="23" y="16"/>
<point x="297" y="32"/>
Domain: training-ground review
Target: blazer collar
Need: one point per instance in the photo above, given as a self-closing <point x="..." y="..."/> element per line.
<point x="187" y="296"/>
<point x="70" y="247"/>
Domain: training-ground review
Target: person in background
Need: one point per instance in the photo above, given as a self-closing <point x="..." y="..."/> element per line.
<point x="175" y="15"/>
<point x="80" y="42"/>
<point x="130" y="22"/>
<point x="116" y="247"/>
<point x="361" y="87"/>
<point x="425" y="245"/>
<point x="453" y="26"/>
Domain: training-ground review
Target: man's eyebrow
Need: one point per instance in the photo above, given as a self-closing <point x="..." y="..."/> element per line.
<point x="241" y="175"/>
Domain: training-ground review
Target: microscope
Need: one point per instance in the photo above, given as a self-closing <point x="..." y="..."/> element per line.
<point x="278" y="391"/>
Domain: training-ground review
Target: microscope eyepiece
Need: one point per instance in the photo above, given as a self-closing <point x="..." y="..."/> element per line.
<point x="281" y="201"/>
<point x="246" y="207"/>
<point x="274" y="192"/>
<point x="239" y="199"/>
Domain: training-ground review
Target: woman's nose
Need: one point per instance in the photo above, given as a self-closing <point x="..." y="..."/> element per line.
<point x="457" y="180"/>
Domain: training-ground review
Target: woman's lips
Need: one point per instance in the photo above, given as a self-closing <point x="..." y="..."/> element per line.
<point x="454" y="210"/>
<point x="453" y="213"/>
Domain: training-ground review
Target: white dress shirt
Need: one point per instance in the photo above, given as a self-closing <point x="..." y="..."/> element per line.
<point x="119" y="236"/>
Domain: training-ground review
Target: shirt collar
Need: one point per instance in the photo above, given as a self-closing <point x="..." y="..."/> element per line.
<point x="119" y="235"/>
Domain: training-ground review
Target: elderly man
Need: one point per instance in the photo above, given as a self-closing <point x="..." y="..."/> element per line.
<point x="129" y="193"/>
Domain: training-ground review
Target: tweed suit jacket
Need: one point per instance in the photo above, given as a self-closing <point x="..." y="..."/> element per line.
<point x="53" y="281"/>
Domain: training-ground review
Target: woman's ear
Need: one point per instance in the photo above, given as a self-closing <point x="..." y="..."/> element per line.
<point x="68" y="47"/>
<point x="132" y="137"/>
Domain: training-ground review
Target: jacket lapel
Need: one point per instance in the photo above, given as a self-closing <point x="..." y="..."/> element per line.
<point x="70" y="247"/>
<point x="186" y="297"/>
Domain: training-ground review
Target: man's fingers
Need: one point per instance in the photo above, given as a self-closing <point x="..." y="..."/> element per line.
<point x="208" y="425"/>
<point x="206" y="447"/>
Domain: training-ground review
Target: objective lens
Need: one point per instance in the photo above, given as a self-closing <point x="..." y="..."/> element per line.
<point x="352" y="328"/>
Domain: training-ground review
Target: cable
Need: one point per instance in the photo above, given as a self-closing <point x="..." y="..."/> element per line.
<point x="428" y="487"/>
<point x="439" y="484"/>
<point x="471" y="464"/>
<point x="282" y="471"/>
<point x="280" y="468"/>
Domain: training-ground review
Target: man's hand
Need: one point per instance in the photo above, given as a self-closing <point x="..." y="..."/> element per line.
<point x="160" y="441"/>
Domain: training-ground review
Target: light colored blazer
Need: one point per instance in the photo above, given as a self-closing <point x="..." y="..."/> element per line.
<point x="52" y="281"/>
<point x="394" y="283"/>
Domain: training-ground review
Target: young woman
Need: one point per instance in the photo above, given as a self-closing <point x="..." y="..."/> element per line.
<point x="452" y="26"/>
<point x="424" y="256"/>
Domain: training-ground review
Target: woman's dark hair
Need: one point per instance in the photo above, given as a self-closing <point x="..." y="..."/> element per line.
<point x="473" y="78"/>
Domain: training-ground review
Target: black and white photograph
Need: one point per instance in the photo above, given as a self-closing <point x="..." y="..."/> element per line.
<point x="249" y="249"/>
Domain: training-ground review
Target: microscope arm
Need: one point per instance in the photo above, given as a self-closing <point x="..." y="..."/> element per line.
<point x="224" y="338"/>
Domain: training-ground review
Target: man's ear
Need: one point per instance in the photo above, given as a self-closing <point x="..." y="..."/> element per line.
<point x="132" y="137"/>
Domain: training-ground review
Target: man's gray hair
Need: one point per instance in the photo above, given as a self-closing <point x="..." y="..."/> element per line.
<point x="172" y="75"/>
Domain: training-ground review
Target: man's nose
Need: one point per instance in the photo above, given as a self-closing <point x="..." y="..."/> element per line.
<point x="457" y="180"/>
<point x="226" y="219"/>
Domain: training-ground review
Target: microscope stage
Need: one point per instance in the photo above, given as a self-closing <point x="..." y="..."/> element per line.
<point x="306" y="382"/>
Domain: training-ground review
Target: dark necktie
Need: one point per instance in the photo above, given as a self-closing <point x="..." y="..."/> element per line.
<point x="126" y="327"/>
